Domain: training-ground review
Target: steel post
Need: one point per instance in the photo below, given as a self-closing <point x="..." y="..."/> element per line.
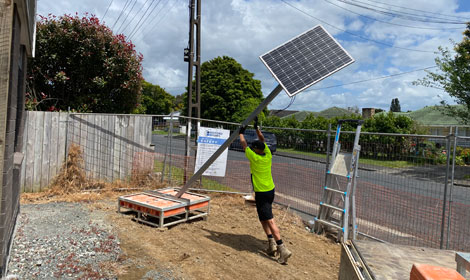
<point x="232" y="137"/>
<point x="441" y="246"/>
<point x="328" y="149"/>
<point x="451" y="187"/>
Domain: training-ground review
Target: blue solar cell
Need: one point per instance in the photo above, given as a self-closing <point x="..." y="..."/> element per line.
<point x="306" y="60"/>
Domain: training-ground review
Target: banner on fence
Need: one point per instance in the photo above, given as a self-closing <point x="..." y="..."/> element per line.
<point x="208" y="141"/>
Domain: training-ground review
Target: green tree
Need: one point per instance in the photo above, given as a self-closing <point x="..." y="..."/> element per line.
<point x="395" y="105"/>
<point x="178" y="102"/>
<point x="390" y="123"/>
<point x="81" y="64"/>
<point x="454" y="77"/>
<point x="155" y="100"/>
<point x="228" y="91"/>
<point x="312" y="122"/>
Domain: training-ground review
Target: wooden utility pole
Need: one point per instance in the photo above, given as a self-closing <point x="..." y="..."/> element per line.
<point x="194" y="61"/>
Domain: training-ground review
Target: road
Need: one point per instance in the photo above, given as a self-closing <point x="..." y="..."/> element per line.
<point x="392" y="204"/>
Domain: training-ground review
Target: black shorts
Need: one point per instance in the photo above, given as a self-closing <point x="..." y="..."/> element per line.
<point x="264" y="202"/>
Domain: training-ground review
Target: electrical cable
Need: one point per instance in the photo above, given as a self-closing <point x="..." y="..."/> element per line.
<point x="107" y="9"/>
<point x="132" y="20"/>
<point x="127" y="15"/>
<point x="372" y="79"/>
<point x="161" y="18"/>
<point x="391" y="23"/>
<point x="156" y="16"/>
<point x="407" y="8"/>
<point x="354" y="34"/>
<point x="403" y="15"/>
<point x="292" y="99"/>
<point x="121" y="13"/>
<point x="146" y="16"/>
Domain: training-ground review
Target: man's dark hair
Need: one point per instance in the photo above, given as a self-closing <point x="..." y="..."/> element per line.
<point x="257" y="144"/>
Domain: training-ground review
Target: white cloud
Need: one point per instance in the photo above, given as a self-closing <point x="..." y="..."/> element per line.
<point x="246" y="29"/>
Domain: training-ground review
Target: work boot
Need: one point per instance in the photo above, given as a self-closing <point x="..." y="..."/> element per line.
<point x="272" y="247"/>
<point x="284" y="254"/>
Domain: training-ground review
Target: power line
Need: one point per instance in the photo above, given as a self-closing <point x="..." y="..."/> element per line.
<point x="127" y="15"/>
<point x="148" y="16"/>
<point x="354" y="34"/>
<point x="411" y="9"/>
<point x="373" y="79"/>
<point x="138" y="25"/>
<point x="161" y="18"/>
<point x="403" y="15"/>
<point x="386" y="22"/>
<point x="107" y="9"/>
<point x="132" y="20"/>
<point x="121" y="13"/>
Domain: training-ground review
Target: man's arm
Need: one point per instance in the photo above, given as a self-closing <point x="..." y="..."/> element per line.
<point x="258" y="131"/>
<point x="242" y="138"/>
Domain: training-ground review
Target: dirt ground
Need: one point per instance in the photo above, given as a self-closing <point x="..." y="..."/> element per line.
<point x="230" y="244"/>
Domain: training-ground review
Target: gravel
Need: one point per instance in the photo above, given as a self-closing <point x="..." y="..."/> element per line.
<point x="62" y="241"/>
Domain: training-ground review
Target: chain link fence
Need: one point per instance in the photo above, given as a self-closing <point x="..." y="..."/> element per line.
<point x="411" y="189"/>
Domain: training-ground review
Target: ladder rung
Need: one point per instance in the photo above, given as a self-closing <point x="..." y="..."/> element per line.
<point x="328" y="223"/>
<point x="331" y="206"/>
<point x="335" y="190"/>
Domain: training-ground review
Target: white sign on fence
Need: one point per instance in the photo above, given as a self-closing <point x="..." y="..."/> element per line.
<point x="208" y="141"/>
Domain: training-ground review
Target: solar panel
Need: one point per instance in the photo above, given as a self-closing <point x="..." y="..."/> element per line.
<point x="306" y="60"/>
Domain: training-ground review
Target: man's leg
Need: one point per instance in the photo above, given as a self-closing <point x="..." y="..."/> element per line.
<point x="270" y="227"/>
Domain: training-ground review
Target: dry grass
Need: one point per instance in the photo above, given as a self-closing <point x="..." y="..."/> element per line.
<point x="72" y="185"/>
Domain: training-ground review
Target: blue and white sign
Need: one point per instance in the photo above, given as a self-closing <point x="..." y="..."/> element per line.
<point x="208" y="141"/>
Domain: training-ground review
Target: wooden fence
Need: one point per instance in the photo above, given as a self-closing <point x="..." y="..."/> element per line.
<point x="113" y="146"/>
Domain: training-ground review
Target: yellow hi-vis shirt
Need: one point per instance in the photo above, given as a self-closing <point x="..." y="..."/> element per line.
<point x="260" y="166"/>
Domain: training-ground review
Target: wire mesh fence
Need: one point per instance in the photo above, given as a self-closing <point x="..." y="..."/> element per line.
<point x="403" y="189"/>
<point x="411" y="189"/>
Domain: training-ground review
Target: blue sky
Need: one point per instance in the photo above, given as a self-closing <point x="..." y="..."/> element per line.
<point x="385" y="38"/>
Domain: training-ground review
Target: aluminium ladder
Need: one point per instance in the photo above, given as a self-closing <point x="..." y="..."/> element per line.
<point x="338" y="207"/>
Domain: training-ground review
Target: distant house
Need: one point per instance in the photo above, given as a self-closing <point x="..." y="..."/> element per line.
<point x="436" y="122"/>
<point x="160" y="123"/>
<point x="17" y="28"/>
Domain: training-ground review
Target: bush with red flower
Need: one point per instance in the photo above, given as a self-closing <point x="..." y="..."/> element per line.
<point x="81" y="64"/>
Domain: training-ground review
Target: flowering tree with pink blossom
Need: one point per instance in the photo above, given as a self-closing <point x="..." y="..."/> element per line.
<point x="81" y="64"/>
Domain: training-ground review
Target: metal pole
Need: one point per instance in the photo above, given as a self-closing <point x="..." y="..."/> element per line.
<point x="164" y="159"/>
<point x="441" y="246"/>
<point x="171" y="147"/>
<point x="232" y="137"/>
<point x="328" y="143"/>
<point x="190" y="86"/>
<point x="451" y="187"/>
<point x="197" y="63"/>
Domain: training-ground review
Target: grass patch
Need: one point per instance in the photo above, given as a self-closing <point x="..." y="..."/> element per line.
<point x="376" y="162"/>
<point x="177" y="176"/>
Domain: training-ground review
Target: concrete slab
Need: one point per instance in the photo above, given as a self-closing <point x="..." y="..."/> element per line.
<point x="390" y="261"/>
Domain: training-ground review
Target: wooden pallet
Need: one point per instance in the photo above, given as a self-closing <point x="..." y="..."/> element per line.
<point x="164" y="206"/>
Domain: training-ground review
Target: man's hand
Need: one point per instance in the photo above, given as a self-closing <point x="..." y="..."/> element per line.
<point x="242" y="129"/>
<point x="256" y="123"/>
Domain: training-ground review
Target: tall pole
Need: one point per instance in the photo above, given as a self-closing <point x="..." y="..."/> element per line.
<point x="227" y="142"/>
<point x="194" y="61"/>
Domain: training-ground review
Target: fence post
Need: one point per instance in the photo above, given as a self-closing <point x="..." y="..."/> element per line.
<point x="451" y="185"/>
<point x="441" y="246"/>
<point x="66" y="136"/>
<point x="328" y="142"/>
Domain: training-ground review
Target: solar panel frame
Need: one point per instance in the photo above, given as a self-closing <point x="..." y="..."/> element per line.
<point x="323" y="68"/>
